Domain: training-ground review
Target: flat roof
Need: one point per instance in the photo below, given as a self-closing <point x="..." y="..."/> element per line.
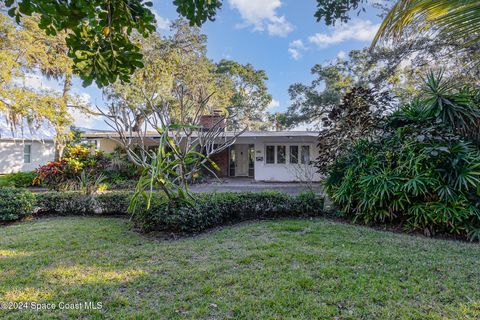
<point x="246" y="134"/>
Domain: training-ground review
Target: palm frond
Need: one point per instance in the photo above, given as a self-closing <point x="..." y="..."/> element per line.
<point x="456" y="19"/>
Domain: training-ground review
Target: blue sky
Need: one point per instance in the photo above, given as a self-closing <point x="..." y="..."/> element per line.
<point x="281" y="37"/>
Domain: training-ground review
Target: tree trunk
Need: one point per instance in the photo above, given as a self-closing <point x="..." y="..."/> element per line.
<point x="61" y="129"/>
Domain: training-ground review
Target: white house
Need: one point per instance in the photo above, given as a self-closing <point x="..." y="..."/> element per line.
<point x="280" y="156"/>
<point x="24" y="148"/>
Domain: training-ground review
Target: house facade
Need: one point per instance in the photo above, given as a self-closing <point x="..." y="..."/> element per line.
<point x="23" y="148"/>
<point x="271" y="156"/>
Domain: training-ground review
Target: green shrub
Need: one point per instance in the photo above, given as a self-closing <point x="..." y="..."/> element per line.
<point x="216" y="209"/>
<point x="113" y="203"/>
<point x="15" y="204"/>
<point x="75" y="203"/>
<point x="71" y="203"/>
<point x="18" y="179"/>
<point x="422" y="173"/>
<point x="210" y="209"/>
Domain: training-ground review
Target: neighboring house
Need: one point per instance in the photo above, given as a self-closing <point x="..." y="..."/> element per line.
<point x="23" y="148"/>
<point x="282" y="156"/>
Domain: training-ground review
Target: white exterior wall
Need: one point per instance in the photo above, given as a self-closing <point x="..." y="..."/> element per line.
<point x="11" y="155"/>
<point x="283" y="172"/>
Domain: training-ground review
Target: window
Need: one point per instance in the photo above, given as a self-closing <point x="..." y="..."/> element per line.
<point x="281" y="154"/>
<point x="270" y="154"/>
<point x="293" y="154"/>
<point x="232" y="162"/>
<point x="27" y="153"/>
<point x="251" y="160"/>
<point x="305" y="154"/>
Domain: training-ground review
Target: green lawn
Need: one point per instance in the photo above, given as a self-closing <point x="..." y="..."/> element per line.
<point x="272" y="269"/>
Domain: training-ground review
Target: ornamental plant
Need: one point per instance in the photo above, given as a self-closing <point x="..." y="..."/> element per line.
<point x="81" y="168"/>
<point x="423" y="172"/>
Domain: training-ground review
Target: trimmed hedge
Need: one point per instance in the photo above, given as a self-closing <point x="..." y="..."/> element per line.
<point x="74" y="203"/>
<point x="210" y="209"/>
<point x="15" y="204"/>
<point x="216" y="209"/>
<point x="18" y="179"/>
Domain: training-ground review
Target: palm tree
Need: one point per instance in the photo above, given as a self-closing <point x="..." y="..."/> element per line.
<point x="457" y="19"/>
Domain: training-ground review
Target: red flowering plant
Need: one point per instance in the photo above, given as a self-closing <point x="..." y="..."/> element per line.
<point x="54" y="175"/>
<point x="67" y="174"/>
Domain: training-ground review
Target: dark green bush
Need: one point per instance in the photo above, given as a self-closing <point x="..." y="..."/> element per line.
<point x="216" y="209"/>
<point x="113" y="203"/>
<point x="71" y="203"/>
<point x="209" y="210"/>
<point x="18" y="179"/>
<point x="15" y="204"/>
<point x="422" y="173"/>
<point x="75" y="203"/>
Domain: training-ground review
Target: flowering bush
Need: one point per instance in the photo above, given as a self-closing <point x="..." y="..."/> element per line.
<point x="54" y="175"/>
<point x="79" y="166"/>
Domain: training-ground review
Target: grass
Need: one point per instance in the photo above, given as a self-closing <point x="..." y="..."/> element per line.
<point x="310" y="269"/>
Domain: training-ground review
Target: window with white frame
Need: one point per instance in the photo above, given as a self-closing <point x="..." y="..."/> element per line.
<point x="294" y="154"/>
<point x="27" y="153"/>
<point x="281" y="154"/>
<point x="305" y="155"/>
<point x="270" y="154"/>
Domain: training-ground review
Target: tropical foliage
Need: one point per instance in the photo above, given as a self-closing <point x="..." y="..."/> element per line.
<point x="423" y="172"/>
<point x="81" y="168"/>
<point x="358" y="116"/>
<point x="98" y="32"/>
<point x="455" y="19"/>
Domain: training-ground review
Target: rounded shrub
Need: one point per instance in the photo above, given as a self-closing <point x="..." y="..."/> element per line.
<point x="15" y="204"/>
<point x="216" y="209"/>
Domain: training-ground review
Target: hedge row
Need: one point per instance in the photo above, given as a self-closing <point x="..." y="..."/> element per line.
<point x="216" y="209"/>
<point x="210" y="209"/>
<point x="73" y="203"/>
<point x="15" y="204"/>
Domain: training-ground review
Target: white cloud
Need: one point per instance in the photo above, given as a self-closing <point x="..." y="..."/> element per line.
<point x="80" y="118"/>
<point x="295" y="49"/>
<point x="279" y="26"/>
<point x="273" y="104"/>
<point x="360" y="30"/>
<point x="162" y="23"/>
<point x="262" y="15"/>
<point x="341" y="55"/>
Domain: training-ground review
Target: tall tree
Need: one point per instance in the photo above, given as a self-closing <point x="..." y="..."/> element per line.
<point x="180" y="61"/>
<point x="98" y="31"/>
<point x="398" y="69"/>
<point x="27" y="50"/>
<point x="171" y="64"/>
<point x="250" y="98"/>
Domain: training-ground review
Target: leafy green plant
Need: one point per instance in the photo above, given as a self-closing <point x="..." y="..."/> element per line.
<point x="171" y="169"/>
<point x="216" y="209"/>
<point x="18" y="179"/>
<point x="15" y="204"/>
<point x="422" y="172"/>
<point x="75" y="203"/>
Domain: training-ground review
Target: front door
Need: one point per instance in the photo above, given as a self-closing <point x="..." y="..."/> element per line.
<point x="241" y="155"/>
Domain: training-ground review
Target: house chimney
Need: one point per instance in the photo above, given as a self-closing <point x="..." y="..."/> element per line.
<point x="213" y="121"/>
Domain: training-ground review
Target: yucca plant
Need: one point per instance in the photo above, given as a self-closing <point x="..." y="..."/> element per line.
<point x="171" y="169"/>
